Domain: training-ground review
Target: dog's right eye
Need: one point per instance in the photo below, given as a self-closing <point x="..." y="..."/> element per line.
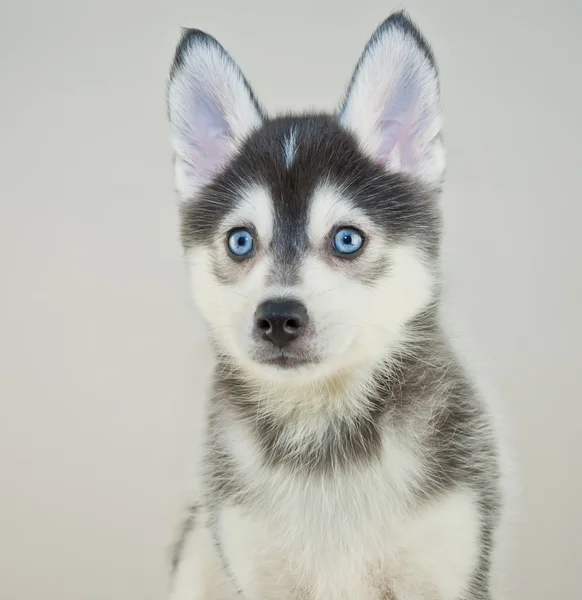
<point x="240" y="242"/>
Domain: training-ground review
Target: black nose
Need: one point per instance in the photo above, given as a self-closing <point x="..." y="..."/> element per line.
<point x="280" y="321"/>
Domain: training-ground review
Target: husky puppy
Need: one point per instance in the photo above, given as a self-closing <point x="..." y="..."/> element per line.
<point x="347" y="456"/>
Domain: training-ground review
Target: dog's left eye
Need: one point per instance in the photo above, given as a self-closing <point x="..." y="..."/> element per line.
<point x="240" y="242"/>
<point x="347" y="241"/>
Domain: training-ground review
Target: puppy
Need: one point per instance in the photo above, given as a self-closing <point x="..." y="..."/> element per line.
<point x="348" y="456"/>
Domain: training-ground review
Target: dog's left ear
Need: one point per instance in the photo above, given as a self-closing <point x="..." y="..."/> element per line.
<point x="393" y="104"/>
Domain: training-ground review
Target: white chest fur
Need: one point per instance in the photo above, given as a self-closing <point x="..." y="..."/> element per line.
<point x="357" y="534"/>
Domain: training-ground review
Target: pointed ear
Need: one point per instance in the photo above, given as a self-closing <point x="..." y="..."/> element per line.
<point x="393" y="102"/>
<point x="211" y="109"/>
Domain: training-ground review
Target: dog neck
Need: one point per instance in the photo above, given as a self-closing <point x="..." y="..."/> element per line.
<point x="333" y="422"/>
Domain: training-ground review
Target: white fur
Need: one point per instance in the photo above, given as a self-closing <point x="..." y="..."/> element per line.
<point x="333" y="538"/>
<point x="199" y="574"/>
<point x="256" y="207"/>
<point x="354" y="323"/>
<point x="394" y="109"/>
<point x="343" y="538"/>
<point x="359" y="533"/>
<point x="290" y="147"/>
<point x="211" y="112"/>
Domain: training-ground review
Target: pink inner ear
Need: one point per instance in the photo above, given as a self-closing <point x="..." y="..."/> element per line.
<point x="391" y="133"/>
<point x="401" y="139"/>
<point x="398" y="131"/>
<point x="212" y="147"/>
<point x="203" y="135"/>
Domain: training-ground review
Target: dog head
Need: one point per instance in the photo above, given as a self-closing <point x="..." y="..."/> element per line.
<point x="312" y="241"/>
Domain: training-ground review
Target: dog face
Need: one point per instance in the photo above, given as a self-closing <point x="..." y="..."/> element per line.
<point x="312" y="241"/>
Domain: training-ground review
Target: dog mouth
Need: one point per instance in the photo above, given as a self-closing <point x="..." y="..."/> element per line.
<point x="287" y="360"/>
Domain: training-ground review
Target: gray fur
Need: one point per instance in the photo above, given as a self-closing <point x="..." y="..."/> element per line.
<point x="420" y="391"/>
<point x="187" y="526"/>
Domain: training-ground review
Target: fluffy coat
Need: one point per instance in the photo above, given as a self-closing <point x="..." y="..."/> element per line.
<point x="356" y="460"/>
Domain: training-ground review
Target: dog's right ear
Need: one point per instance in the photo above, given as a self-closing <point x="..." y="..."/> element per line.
<point x="211" y="109"/>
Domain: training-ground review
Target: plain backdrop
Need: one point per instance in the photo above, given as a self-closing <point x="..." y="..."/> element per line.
<point x="103" y="361"/>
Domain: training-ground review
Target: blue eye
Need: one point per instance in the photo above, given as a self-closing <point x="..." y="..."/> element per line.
<point x="240" y="242"/>
<point x="347" y="241"/>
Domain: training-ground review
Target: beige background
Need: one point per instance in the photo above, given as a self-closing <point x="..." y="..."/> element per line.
<point x="101" y="356"/>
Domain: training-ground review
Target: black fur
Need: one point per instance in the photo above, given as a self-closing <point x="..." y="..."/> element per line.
<point x="454" y="435"/>
<point x="398" y="20"/>
<point x="457" y="442"/>
<point x="325" y="152"/>
<point x="196" y="36"/>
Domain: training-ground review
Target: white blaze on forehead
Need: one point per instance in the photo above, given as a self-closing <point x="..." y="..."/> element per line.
<point x="254" y="208"/>
<point x="329" y="208"/>
<point x="290" y="146"/>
